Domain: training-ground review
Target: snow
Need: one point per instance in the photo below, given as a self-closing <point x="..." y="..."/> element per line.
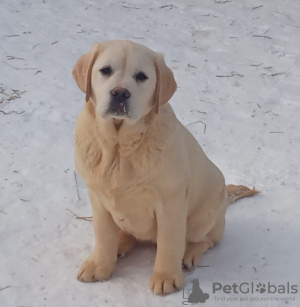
<point x="236" y="65"/>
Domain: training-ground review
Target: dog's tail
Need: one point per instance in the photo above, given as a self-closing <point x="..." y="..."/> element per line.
<point x="235" y="192"/>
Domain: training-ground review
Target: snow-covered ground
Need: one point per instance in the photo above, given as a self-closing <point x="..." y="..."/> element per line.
<point x="237" y="68"/>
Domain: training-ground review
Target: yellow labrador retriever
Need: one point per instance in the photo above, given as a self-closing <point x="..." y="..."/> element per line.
<point x="147" y="176"/>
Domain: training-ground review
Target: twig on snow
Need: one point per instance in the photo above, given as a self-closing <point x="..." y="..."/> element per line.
<point x="168" y="5"/>
<point x="85" y="218"/>
<point x="10" y="57"/>
<point x="222" y="2"/>
<point x="5" y="288"/>
<point x="21" y="68"/>
<point x="256" y="65"/>
<point x="206" y="101"/>
<point x="198" y="121"/>
<point x="263" y="36"/>
<point x="7" y="113"/>
<point x="16" y="94"/>
<point x="257" y="7"/>
<point x="277" y="74"/>
<point x="76" y="185"/>
<point x="202" y="112"/>
<point x="130" y="7"/>
<point x="229" y="76"/>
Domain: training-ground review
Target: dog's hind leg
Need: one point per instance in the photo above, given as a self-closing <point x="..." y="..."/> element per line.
<point x="193" y="253"/>
<point x="195" y="250"/>
<point x="127" y="243"/>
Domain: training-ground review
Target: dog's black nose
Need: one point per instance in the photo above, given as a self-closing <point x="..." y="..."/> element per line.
<point x="120" y="94"/>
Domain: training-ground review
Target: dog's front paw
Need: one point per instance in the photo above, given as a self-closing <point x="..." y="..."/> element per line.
<point x="92" y="270"/>
<point x="165" y="283"/>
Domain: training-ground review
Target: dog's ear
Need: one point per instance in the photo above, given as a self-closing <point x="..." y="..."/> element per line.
<point x="165" y="84"/>
<point x="82" y="71"/>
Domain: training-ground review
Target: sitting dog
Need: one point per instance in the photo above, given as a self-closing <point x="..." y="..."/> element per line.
<point x="147" y="177"/>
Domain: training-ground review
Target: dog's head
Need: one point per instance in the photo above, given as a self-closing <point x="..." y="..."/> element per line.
<point x="124" y="80"/>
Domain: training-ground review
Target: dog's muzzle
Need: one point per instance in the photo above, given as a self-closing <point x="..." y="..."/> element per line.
<point x="119" y="102"/>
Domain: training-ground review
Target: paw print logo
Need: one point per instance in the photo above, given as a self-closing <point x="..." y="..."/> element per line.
<point x="261" y="288"/>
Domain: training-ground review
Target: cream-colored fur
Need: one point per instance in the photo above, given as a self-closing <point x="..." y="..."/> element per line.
<point x="147" y="176"/>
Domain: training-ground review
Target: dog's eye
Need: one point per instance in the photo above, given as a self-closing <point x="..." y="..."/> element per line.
<point x="141" y="77"/>
<point x="106" y="71"/>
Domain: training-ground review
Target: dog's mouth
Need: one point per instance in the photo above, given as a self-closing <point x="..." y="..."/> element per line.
<point x="118" y="109"/>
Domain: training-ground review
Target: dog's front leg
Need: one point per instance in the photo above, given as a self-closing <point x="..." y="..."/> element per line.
<point x="102" y="261"/>
<point x="167" y="275"/>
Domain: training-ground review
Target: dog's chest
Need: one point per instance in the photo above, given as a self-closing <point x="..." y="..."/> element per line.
<point x="134" y="211"/>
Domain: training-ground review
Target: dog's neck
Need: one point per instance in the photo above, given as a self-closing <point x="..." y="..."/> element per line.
<point x="118" y="123"/>
<point x="106" y="149"/>
<point x="121" y="133"/>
